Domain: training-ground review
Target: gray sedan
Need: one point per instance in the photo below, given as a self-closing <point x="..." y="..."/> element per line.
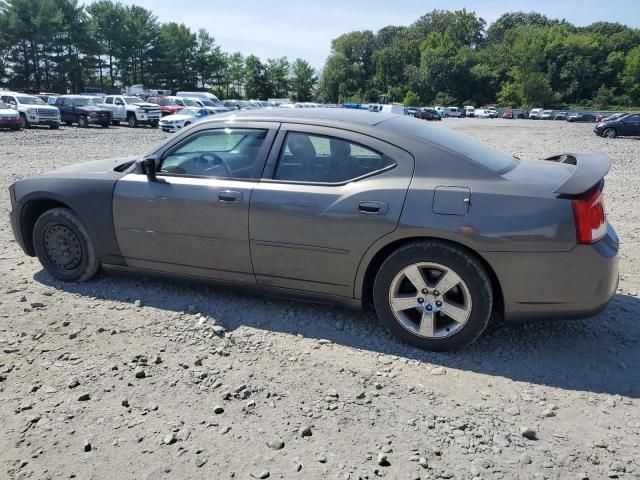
<point x="438" y="233"/>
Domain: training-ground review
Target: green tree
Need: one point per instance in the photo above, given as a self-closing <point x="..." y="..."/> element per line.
<point x="255" y="79"/>
<point x="303" y="80"/>
<point x="411" y="99"/>
<point x="630" y="76"/>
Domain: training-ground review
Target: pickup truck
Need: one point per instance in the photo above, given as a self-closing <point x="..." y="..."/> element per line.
<point x="32" y="110"/>
<point x="133" y="110"/>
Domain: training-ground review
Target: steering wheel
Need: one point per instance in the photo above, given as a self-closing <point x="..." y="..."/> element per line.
<point x="214" y="161"/>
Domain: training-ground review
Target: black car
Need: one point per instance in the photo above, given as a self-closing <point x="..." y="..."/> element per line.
<point x="582" y="117"/>
<point x="626" y="126"/>
<point x="427" y="114"/>
<point x="83" y="110"/>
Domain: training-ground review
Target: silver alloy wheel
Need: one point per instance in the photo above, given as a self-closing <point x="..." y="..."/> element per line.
<point x="430" y="300"/>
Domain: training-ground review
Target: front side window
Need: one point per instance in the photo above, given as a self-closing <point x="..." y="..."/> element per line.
<point x="224" y="153"/>
<point x="322" y="159"/>
<point x="109" y="101"/>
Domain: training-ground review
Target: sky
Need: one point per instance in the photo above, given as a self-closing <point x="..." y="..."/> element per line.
<point x="299" y="28"/>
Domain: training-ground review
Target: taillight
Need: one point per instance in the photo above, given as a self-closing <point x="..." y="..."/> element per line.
<point x="590" y="218"/>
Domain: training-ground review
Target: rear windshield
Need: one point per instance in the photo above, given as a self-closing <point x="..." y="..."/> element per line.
<point x="475" y="151"/>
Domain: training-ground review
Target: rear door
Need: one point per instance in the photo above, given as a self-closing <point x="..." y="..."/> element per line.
<point x="195" y="219"/>
<point x="328" y="195"/>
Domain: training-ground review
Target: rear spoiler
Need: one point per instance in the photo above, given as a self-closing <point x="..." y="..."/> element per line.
<point x="590" y="169"/>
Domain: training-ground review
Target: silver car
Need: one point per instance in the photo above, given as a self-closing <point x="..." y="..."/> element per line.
<point x="439" y="234"/>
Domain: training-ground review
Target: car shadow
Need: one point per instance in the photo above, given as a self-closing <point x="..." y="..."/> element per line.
<point x="598" y="355"/>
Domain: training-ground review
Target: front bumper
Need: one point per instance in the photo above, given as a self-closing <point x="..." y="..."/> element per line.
<point x="10" y="122"/>
<point x="15" y="221"/>
<point x="558" y="285"/>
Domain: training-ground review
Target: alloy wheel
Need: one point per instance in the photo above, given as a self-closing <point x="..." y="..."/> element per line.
<point x="430" y="300"/>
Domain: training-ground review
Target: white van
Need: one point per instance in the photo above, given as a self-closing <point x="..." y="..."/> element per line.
<point x="203" y="95"/>
<point x="453" y="112"/>
<point x="536" y="113"/>
<point x="469" y="110"/>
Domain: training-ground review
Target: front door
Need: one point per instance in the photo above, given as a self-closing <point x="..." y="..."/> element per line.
<point x="328" y="196"/>
<point x="195" y="219"/>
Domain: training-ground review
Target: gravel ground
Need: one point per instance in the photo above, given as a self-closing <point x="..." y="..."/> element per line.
<point x="135" y="378"/>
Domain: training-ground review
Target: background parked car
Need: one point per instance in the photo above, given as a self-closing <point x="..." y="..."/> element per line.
<point x="411" y="111"/>
<point x="627" y="125"/>
<point x="546" y="115"/>
<point x="427" y="114"/>
<point x="560" y="116"/>
<point x="469" y="110"/>
<point x="184" y="118"/>
<point x="507" y="114"/>
<point x="168" y="106"/>
<point x="9" y="118"/>
<point x="32" y="110"/>
<point x="582" y="117"/>
<point x="133" y="110"/>
<point x="83" y="110"/>
<point x="201" y="95"/>
<point x="535" y="113"/>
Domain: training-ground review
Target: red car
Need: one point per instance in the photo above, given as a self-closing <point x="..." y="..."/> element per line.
<point x="167" y="106"/>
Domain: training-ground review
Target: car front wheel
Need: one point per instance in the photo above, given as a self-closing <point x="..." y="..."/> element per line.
<point x="132" y="121"/>
<point x="433" y="295"/>
<point x="64" y="247"/>
<point x="610" y="133"/>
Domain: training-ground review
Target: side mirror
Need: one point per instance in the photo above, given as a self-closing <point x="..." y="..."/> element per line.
<point x="147" y="166"/>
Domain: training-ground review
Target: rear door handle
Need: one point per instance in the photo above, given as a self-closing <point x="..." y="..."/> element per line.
<point x="230" y="196"/>
<point x="373" y="208"/>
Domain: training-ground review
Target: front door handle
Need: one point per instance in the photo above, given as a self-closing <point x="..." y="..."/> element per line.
<point x="373" y="208"/>
<point x="230" y="196"/>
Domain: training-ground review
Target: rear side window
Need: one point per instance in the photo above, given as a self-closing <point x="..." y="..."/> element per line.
<point x="109" y="100"/>
<point x="322" y="159"/>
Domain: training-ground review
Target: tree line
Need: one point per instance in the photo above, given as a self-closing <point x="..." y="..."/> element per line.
<point x="454" y="58"/>
<point x="63" y="46"/>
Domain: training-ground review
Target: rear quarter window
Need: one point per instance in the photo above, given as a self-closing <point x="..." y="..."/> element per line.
<point x="474" y="151"/>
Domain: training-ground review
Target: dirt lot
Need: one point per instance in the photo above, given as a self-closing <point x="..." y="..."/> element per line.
<point x="141" y="379"/>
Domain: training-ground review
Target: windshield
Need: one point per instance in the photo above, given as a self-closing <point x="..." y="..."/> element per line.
<point x="189" y="111"/>
<point x="190" y="103"/>
<point x="31" y="101"/>
<point x="208" y="103"/>
<point x="80" y="102"/>
<point x="133" y="100"/>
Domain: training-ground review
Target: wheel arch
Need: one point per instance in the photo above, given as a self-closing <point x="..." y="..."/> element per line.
<point x="30" y="213"/>
<point x="364" y="281"/>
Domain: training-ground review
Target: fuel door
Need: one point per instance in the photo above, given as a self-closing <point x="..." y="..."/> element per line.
<point x="449" y="200"/>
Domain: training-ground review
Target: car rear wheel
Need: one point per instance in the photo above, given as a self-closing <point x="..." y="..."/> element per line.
<point x="115" y="122"/>
<point x="64" y="247"/>
<point x="83" y="122"/>
<point x="433" y="295"/>
<point x="610" y="133"/>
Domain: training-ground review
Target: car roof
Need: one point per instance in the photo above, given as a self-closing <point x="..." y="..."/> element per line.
<point x="323" y="116"/>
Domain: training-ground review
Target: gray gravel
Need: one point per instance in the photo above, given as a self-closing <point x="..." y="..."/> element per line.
<point x="187" y="381"/>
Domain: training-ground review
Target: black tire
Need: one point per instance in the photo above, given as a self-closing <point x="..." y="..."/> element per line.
<point x="83" y="122"/>
<point x="62" y="224"/>
<point x="610" y="133"/>
<point x="115" y="122"/>
<point x="16" y="129"/>
<point x="55" y="126"/>
<point x="155" y="123"/>
<point x="105" y="124"/>
<point x="25" y="123"/>
<point x="132" y="121"/>
<point x="467" y="267"/>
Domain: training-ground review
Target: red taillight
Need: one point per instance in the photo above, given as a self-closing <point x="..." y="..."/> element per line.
<point x="590" y="218"/>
